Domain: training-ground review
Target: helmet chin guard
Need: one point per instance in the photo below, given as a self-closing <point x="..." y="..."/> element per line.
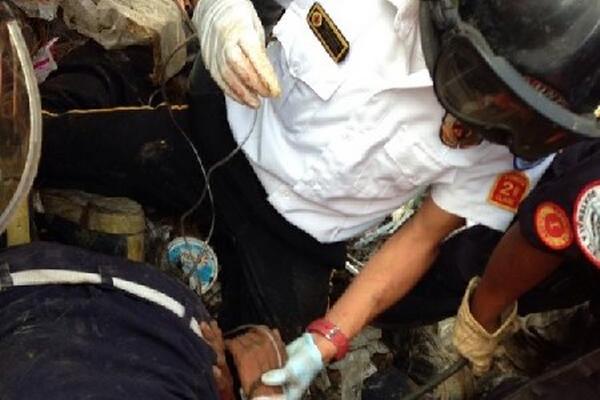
<point x="20" y="118"/>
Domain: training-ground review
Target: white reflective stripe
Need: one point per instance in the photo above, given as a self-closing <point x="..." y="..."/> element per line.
<point x="35" y="277"/>
<point x="53" y="276"/>
<point x="195" y="327"/>
<point x="151" y="295"/>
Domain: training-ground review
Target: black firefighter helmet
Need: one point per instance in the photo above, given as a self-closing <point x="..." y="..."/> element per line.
<point x="522" y="73"/>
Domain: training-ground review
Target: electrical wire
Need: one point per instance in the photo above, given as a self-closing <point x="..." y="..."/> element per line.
<point x="269" y="335"/>
<point x="206" y="174"/>
<point x="185" y="16"/>
<point x="266" y="332"/>
<point x="163" y="91"/>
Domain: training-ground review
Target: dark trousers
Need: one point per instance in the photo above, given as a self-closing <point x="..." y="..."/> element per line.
<point x="95" y="341"/>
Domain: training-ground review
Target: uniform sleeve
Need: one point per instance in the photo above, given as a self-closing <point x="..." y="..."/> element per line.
<point x="489" y="191"/>
<point x="560" y="215"/>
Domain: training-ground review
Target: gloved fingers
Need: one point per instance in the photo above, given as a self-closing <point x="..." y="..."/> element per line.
<point x="242" y="93"/>
<point x="215" y="65"/>
<point x="245" y="70"/>
<point x="209" y="43"/>
<point x="226" y="88"/>
<point x="470" y="347"/>
<point x="294" y="393"/>
<point x="480" y="369"/>
<point x="256" y="53"/>
<point x="275" y="377"/>
<point x="295" y="346"/>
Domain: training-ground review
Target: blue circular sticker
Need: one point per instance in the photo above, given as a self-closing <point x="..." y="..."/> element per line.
<point x="197" y="260"/>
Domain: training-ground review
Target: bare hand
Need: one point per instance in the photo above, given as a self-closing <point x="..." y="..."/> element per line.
<point x="214" y="337"/>
<point x="255" y="353"/>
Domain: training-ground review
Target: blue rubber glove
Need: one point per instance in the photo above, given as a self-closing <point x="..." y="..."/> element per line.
<point x="304" y="363"/>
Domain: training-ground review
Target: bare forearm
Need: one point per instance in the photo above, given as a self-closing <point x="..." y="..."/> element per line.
<point x="514" y="268"/>
<point x="387" y="277"/>
<point x="392" y="271"/>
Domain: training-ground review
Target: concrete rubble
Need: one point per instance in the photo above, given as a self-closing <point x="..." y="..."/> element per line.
<point x="415" y="354"/>
<point x="343" y="380"/>
<point x="116" y="24"/>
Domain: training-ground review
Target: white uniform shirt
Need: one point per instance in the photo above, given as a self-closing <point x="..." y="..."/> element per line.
<point x="348" y="143"/>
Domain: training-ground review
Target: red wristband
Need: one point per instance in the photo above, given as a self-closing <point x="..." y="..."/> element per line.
<point x="331" y="332"/>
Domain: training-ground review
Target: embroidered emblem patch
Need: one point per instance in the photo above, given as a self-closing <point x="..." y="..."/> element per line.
<point x="552" y="226"/>
<point x="327" y="32"/>
<point x="586" y="220"/>
<point x="509" y="190"/>
<point x="457" y="136"/>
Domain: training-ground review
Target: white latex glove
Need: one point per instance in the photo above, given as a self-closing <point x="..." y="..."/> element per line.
<point x="232" y="42"/>
<point x="472" y="340"/>
<point x="304" y="363"/>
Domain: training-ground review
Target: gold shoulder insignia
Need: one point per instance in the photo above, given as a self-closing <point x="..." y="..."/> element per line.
<point x="328" y="33"/>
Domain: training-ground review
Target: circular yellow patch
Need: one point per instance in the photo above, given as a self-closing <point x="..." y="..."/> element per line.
<point x="553" y="227"/>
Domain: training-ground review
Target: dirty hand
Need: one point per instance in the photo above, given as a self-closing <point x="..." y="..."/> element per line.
<point x="232" y="42"/>
<point x="472" y="340"/>
<point x="304" y="363"/>
<point x="255" y="352"/>
<point x="214" y="337"/>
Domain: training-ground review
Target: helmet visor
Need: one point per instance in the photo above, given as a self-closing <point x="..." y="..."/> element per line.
<point x="472" y="91"/>
<point x="20" y="119"/>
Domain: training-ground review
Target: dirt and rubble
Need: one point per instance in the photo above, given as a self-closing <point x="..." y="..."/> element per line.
<point x="391" y="363"/>
<point x="382" y="363"/>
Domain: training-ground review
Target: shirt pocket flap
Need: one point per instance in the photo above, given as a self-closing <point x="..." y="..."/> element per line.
<point x="419" y="164"/>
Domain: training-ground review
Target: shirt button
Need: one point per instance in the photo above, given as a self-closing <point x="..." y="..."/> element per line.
<point x="295" y="69"/>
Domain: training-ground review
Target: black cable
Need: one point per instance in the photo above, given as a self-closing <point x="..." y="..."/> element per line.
<point x="206" y="174"/>
<point x="437" y="380"/>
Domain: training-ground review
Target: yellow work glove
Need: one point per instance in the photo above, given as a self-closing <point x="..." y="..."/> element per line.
<point x="232" y="41"/>
<point x="473" y="341"/>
